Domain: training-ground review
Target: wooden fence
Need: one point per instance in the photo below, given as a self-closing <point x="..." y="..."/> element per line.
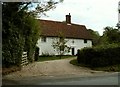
<point x="24" y="59"/>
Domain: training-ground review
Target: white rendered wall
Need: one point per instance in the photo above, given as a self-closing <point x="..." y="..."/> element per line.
<point x="78" y="44"/>
<point x="118" y="12"/>
<point x="46" y="47"/>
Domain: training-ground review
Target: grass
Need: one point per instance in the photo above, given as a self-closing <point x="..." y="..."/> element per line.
<point x="112" y="68"/>
<point x="46" y="58"/>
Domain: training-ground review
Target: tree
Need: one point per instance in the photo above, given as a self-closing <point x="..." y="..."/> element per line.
<point x="59" y="44"/>
<point x="44" y="6"/>
<point x="32" y="34"/>
<point x="110" y="35"/>
<point x="13" y="40"/>
<point x="20" y="30"/>
<point x="95" y="37"/>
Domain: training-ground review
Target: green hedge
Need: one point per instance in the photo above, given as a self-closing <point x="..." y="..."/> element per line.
<point x="98" y="57"/>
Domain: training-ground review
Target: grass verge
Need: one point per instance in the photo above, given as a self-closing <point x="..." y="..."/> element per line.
<point x="112" y="68"/>
<point x="47" y="58"/>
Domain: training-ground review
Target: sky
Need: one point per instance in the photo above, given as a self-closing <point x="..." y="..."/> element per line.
<point x="94" y="14"/>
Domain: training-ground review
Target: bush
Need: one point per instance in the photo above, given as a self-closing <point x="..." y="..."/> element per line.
<point x="12" y="47"/>
<point x="97" y="57"/>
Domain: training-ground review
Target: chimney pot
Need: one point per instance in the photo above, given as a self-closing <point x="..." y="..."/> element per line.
<point x="68" y="19"/>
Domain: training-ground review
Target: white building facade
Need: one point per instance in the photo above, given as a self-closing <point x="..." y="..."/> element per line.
<point x="118" y="24"/>
<point x="77" y="36"/>
<point x="119" y="12"/>
<point x="46" y="47"/>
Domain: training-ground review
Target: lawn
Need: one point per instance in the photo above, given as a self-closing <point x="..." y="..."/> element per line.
<point x="112" y="68"/>
<point x="46" y="58"/>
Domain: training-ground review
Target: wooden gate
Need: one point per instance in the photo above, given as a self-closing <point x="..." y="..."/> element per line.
<point x="24" y="60"/>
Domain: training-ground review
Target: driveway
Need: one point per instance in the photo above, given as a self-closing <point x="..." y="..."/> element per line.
<point x="52" y="68"/>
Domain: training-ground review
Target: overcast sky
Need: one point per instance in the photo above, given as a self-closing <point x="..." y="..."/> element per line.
<point x="94" y="14"/>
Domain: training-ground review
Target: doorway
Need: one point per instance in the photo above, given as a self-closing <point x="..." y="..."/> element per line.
<point x="73" y="51"/>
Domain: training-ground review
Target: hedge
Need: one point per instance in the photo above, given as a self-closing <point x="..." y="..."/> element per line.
<point x="98" y="57"/>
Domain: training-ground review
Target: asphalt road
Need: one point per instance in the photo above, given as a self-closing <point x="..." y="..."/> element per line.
<point x="103" y="79"/>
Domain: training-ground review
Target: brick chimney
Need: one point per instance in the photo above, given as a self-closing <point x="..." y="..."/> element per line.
<point x="68" y="19"/>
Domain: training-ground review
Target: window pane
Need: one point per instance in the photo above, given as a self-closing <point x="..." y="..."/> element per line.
<point x="85" y="41"/>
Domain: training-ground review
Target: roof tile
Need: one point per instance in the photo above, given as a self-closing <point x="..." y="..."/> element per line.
<point x="54" y="28"/>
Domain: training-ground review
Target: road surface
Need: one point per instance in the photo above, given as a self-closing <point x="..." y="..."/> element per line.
<point x="102" y="79"/>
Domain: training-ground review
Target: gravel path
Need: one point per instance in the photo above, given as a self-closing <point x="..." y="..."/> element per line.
<point x="50" y="68"/>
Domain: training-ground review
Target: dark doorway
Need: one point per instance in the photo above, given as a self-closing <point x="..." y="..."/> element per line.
<point x="73" y="53"/>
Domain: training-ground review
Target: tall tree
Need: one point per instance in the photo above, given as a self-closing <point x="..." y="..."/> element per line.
<point x="95" y="37"/>
<point x="20" y="29"/>
<point x="110" y="35"/>
<point x="13" y="40"/>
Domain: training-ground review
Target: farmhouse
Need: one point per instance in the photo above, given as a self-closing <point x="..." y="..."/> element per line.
<point x="77" y="36"/>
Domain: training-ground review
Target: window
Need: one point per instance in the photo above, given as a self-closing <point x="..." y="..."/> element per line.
<point x="73" y="41"/>
<point x="43" y="39"/>
<point x="85" y="41"/>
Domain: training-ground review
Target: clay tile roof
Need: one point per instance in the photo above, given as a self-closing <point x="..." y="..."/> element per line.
<point x="53" y="28"/>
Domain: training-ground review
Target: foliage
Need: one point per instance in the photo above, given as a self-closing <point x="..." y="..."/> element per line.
<point x="112" y="68"/>
<point x="97" y="57"/>
<point x="59" y="44"/>
<point x="95" y="37"/>
<point x="115" y="68"/>
<point x="54" y="57"/>
<point x="32" y="33"/>
<point x="12" y="48"/>
<point x="13" y="40"/>
<point x="105" y="53"/>
<point x="110" y="35"/>
<point x="20" y="29"/>
<point x="104" y="46"/>
<point x="44" y="6"/>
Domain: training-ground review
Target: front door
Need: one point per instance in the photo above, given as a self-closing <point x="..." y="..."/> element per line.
<point x="73" y="50"/>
